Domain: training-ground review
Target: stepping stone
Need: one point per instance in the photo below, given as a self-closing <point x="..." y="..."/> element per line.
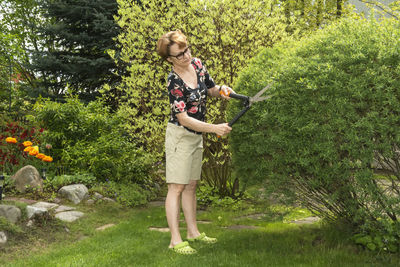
<point x="64" y="208"/>
<point x="157" y="203"/>
<point x="257" y="216"/>
<point x="199" y="222"/>
<point x="101" y="228"/>
<point x="159" y="229"/>
<point x="204" y="222"/>
<point x="45" y="205"/>
<point x="308" y="220"/>
<point x="69" y="216"/>
<point x="162" y="229"/>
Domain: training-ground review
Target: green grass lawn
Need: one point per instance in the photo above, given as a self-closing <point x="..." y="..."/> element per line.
<point x="131" y="243"/>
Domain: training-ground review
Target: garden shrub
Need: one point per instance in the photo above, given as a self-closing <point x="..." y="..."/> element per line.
<point x="331" y="125"/>
<point x="55" y="183"/>
<point x="91" y="139"/>
<point x="224" y="34"/>
<point x="126" y="193"/>
<point x="208" y="196"/>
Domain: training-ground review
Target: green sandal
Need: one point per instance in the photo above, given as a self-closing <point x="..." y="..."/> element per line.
<point x="203" y="238"/>
<point x="183" y="248"/>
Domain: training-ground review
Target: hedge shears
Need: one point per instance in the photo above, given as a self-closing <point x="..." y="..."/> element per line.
<point x="247" y="101"/>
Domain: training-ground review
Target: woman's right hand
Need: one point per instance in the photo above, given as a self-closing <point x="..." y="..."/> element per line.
<point x="222" y="129"/>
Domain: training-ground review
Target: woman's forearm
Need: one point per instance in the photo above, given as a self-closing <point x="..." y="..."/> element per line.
<point x="214" y="91"/>
<point x="194" y="124"/>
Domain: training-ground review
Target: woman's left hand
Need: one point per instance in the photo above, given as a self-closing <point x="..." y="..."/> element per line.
<point x="225" y="91"/>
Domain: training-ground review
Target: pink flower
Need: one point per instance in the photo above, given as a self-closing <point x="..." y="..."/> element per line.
<point x="176" y="93"/>
<point x="180" y="105"/>
<point x="193" y="110"/>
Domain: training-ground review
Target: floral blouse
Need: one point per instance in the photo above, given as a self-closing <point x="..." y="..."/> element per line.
<point x="182" y="98"/>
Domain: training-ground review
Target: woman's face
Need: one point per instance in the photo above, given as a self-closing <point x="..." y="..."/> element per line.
<point x="179" y="56"/>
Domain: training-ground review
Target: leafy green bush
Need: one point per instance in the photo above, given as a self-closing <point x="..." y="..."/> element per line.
<point x="91" y="139"/>
<point x="72" y="122"/>
<point x="112" y="157"/>
<point x="209" y="196"/>
<point x="128" y="194"/>
<point x="331" y="124"/>
<point x="56" y="182"/>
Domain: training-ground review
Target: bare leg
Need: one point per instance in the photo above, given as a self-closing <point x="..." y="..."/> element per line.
<point x="172" y="209"/>
<point x="189" y="208"/>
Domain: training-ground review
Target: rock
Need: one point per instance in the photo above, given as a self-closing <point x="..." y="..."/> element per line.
<point x="101" y="228"/>
<point x="159" y="229"/>
<point x="156" y="203"/>
<point x="11" y="213"/>
<point x="57" y="200"/>
<point x="108" y="199"/>
<point x="97" y="195"/>
<point x="242" y="227"/>
<point x="308" y="220"/>
<point x="256" y="216"/>
<point x="33" y="211"/>
<point x="45" y="205"/>
<point x="90" y="202"/>
<point x="64" y="208"/>
<point x="75" y="193"/>
<point x="69" y="216"/>
<point x="3" y="238"/>
<point x="27" y="176"/>
<point x="30" y="223"/>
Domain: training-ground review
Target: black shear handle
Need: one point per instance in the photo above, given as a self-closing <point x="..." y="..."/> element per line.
<point x="241" y="97"/>
<point x="240" y="114"/>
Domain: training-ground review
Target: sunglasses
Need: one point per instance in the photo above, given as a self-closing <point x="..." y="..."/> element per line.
<point x="182" y="54"/>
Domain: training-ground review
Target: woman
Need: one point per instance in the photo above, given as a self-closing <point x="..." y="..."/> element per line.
<point x="189" y="85"/>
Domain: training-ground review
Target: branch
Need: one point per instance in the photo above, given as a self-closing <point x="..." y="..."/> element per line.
<point x="381" y="7"/>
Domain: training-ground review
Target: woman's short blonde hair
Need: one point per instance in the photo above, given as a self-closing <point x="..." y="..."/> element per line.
<point x="168" y="39"/>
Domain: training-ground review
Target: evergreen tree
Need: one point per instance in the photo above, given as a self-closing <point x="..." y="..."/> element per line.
<point x="81" y="32"/>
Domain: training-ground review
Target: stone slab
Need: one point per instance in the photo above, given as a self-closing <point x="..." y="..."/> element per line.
<point x="101" y="228"/>
<point x="69" y="216"/>
<point x="64" y="208"/>
<point x="45" y="205"/>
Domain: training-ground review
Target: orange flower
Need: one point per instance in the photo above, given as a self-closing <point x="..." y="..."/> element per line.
<point x="47" y="159"/>
<point x="34" y="151"/>
<point x="40" y="155"/>
<point x="11" y="140"/>
<point x="27" y="143"/>
<point x="28" y="149"/>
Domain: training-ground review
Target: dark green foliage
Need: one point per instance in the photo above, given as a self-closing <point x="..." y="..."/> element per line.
<point x="56" y="182"/>
<point x="331" y="125"/>
<point x="81" y="31"/>
<point x="128" y="194"/>
<point x="208" y="196"/>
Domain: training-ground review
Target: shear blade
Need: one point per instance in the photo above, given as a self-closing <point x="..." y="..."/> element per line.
<point x="258" y="97"/>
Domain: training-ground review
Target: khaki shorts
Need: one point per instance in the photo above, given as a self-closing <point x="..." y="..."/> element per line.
<point x="184" y="154"/>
